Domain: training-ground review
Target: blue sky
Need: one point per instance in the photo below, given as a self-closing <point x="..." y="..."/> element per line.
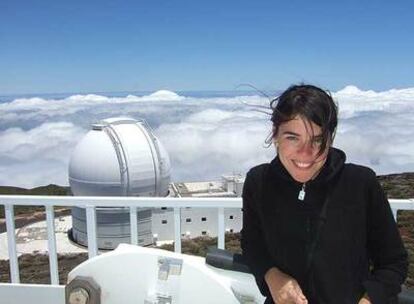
<point x="98" y="46"/>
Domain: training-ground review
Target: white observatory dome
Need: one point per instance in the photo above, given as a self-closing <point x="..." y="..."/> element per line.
<point x="119" y="157"/>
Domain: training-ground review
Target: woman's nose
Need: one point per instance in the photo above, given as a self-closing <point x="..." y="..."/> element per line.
<point x="306" y="148"/>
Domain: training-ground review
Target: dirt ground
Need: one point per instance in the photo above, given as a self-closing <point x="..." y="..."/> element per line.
<point x="34" y="269"/>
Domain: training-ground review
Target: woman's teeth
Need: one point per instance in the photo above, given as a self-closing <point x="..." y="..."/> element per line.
<point x="302" y="165"/>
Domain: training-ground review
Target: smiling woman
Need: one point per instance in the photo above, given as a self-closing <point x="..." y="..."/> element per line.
<point x="299" y="150"/>
<point x="317" y="230"/>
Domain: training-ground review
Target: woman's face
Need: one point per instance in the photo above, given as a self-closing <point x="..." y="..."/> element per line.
<point x="297" y="143"/>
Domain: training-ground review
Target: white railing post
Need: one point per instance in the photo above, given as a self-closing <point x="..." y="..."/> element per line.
<point x="51" y="237"/>
<point x="133" y="219"/>
<point x="220" y="232"/>
<point x="11" y="243"/>
<point x="91" y="231"/>
<point x="177" y="230"/>
<point x="394" y="213"/>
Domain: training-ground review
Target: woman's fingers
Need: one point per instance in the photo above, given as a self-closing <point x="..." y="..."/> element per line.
<point x="300" y="298"/>
<point x="292" y="293"/>
<point x="283" y="288"/>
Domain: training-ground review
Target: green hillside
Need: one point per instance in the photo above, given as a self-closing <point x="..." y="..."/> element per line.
<point x="43" y="190"/>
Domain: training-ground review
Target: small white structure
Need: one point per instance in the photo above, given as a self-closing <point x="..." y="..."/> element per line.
<point x="200" y="221"/>
<point x="234" y="183"/>
<point x="118" y="157"/>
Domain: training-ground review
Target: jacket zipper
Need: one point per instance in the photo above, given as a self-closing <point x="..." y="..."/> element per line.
<point x="302" y="192"/>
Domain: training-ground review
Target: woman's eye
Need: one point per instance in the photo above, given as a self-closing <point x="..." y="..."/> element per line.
<point x="292" y="138"/>
<point x="317" y="141"/>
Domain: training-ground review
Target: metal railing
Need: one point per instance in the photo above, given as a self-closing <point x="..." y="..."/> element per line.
<point x="91" y="203"/>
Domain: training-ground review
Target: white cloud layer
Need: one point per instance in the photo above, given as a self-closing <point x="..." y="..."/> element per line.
<point x="205" y="137"/>
<point x="38" y="156"/>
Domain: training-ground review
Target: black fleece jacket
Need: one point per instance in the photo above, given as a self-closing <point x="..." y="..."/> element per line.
<point x="359" y="248"/>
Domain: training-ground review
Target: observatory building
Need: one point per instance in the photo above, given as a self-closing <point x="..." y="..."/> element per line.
<point x="118" y="157"/>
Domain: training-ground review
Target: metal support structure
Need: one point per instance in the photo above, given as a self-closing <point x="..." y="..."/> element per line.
<point x="220" y="232"/>
<point x="83" y="290"/>
<point x="177" y="229"/>
<point x="11" y="243"/>
<point x="51" y="237"/>
<point x="133" y="219"/>
<point x="91" y="231"/>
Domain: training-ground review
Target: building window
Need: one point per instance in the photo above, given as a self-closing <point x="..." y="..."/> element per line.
<point x="203" y="232"/>
<point x="164" y="222"/>
<point x="203" y="219"/>
<point x="231" y="217"/>
<point x="188" y="220"/>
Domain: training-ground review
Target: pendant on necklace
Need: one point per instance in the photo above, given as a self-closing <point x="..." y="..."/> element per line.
<point x="302" y="193"/>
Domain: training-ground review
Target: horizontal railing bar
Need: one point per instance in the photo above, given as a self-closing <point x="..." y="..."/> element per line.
<point x="147" y="202"/>
<point x="32" y="293"/>
<point x="120" y="201"/>
<point x="402" y="204"/>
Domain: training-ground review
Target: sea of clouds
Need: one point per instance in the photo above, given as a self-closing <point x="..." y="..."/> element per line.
<point x="205" y="136"/>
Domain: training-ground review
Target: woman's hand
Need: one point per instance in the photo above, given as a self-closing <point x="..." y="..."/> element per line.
<point x="364" y="300"/>
<point x="283" y="288"/>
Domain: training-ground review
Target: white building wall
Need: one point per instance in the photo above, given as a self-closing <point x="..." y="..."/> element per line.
<point x="194" y="222"/>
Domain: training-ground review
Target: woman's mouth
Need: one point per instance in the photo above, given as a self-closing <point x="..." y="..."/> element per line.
<point x="302" y="165"/>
